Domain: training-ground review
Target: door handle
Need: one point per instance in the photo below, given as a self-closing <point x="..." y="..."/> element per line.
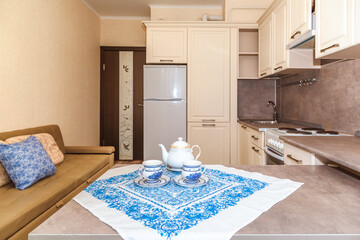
<point x="263" y="74"/>
<point x="294" y="159"/>
<point x="166" y="60"/>
<point x="140" y="105"/>
<point x="208" y="125"/>
<point x="255" y="138"/>
<point x="332" y="46"/>
<point x="280" y="67"/>
<point x="244" y="127"/>
<point x="293" y="36"/>
<point x="256" y="150"/>
<point x="208" y="120"/>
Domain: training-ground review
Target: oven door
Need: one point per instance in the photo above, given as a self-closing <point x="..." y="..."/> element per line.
<point x="273" y="158"/>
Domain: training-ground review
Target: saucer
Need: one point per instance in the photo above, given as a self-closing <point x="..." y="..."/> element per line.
<point x="162" y="181"/>
<point x="173" y="169"/>
<point x="203" y="180"/>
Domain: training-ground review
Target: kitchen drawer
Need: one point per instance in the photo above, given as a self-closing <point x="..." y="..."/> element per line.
<point x="256" y="138"/>
<point x="297" y="156"/>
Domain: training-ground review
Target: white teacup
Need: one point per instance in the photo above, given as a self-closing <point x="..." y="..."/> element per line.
<point x="151" y="170"/>
<point x="191" y="171"/>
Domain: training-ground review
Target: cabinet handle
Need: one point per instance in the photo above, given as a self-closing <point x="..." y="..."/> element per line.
<point x="244" y="127"/>
<point x="293" y="36"/>
<point x="294" y="159"/>
<point x="208" y="120"/>
<point x="166" y="60"/>
<point x="256" y="150"/>
<point x="208" y="125"/>
<point x="332" y="46"/>
<point x="140" y="105"/>
<point x="263" y="74"/>
<point x="278" y="68"/>
<point x="255" y="138"/>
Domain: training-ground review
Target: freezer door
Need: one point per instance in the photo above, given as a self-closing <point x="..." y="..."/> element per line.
<point x="164" y="82"/>
<point x="164" y="122"/>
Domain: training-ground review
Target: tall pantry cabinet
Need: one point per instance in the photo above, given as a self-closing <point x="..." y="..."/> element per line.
<point x="212" y="63"/>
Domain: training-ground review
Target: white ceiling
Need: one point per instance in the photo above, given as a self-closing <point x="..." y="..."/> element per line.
<point x="140" y="8"/>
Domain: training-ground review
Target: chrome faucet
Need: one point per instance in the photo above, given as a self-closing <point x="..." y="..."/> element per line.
<point x="275" y="115"/>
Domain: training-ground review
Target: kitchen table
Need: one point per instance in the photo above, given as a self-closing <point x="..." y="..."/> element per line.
<point x="327" y="206"/>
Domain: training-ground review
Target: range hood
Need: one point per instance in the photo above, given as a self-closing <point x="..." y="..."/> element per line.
<point x="305" y="40"/>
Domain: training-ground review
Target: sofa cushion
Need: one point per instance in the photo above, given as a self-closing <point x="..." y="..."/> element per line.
<point x="48" y="143"/>
<point x="4" y="177"/>
<point x="18" y="208"/>
<point x="26" y="162"/>
<point x="53" y="130"/>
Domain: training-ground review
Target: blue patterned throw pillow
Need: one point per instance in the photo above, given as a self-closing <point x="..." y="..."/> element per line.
<point x="26" y="162"/>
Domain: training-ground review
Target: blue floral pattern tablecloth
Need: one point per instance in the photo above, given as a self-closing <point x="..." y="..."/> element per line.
<point x="232" y="199"/>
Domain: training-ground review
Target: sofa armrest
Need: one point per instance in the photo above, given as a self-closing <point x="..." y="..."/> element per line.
<point x="89" y="150"/>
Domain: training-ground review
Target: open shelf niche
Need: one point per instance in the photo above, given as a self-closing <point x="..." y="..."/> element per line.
<point x="248" y="54"/>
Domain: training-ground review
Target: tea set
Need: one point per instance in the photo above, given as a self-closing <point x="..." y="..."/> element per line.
<point x="178" y="159"/>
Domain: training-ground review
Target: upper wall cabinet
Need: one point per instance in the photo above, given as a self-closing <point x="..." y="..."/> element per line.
<point x="166" y="45"/>
<point x="337" y="29"/>
<point x="265" y="47"/>
<point x="299" y="18"/>
<point x="274" y="58"/>
<point x="209" y="75"/>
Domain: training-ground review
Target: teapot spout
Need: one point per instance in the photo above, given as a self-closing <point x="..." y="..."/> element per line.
<point x="164" y="153"/>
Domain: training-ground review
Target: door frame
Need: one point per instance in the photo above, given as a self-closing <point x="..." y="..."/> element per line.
<point x="102" y="52"/>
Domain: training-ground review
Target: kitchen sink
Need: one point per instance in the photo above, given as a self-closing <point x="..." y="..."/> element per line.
<point x="264" y="122"/>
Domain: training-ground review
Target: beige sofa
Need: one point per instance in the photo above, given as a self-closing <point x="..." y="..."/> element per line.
<point x="22" y="211"/>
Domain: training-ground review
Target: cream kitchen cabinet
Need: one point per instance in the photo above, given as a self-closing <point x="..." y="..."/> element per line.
<point x="256" y="155"/>
<point x="209" y="75"/>
<point x="166" y="45"/>
<point x="280" y="54"/>
<point x="299" y="17"/>
<point x="213" y="138"/>
<point x="297" y="156"/>
<point x="244" y="145"/>
<point x="337" y="28"/>
<point x="265" y="47"/>
<point x="274" y="58"/>
<point x="251" y="146"/>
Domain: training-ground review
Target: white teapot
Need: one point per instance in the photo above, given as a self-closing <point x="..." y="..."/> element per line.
<point x="180" y="152"/>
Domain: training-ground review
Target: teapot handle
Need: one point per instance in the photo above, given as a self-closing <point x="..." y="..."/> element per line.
<point x="198" y="153"/>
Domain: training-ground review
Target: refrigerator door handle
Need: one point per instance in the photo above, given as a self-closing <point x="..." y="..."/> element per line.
<point x="165" y="100"/>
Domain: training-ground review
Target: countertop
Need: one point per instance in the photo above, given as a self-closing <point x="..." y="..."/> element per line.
<point x="344" y="150"/>
<point x="262" y="127"/>
<point x="327" y="206"/>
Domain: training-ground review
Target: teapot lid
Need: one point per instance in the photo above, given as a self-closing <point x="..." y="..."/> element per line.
<point x="180" y="144"/>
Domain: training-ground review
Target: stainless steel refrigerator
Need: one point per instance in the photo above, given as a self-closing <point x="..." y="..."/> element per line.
<point x="164" y="107"/>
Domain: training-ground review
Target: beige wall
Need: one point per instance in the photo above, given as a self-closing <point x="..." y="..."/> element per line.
<point x="49" y="67"/>
<point x="122" y="32"/>
<point x="183" y="14"/>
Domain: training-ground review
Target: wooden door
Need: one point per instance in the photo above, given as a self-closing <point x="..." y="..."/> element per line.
<point x="279" y="38"/>
<point x="334" y="25"/>
<point x="166" y="45"/>
<point x="299" y="15"/>
<point x="110" y="99"/>
<point x="265" y="48"/>
<point x="109" y="109"/>
<point x="213" y="140"/>
<point x="209" y="75"/>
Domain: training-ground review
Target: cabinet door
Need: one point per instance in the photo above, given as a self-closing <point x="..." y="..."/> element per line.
<point x="299" y="17"/>
<point x="256" y="155"/>
<point x="213" y="140"/>
<point x="209" y="74"/>
<point x="297" y="156"/>
<point x="244" y="145"/>
<point x="280" y="54"/>
<point x="265" y="48"/>
<point x="166" y="45"/>
<point x="334" y="25"/>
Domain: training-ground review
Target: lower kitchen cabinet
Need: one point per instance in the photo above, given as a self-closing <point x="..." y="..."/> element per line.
<point x="214" y="141"/>
<point x="297" y="156"/>
<point x="256" y="155"/>
<point x="250" y="149"/>
<point x="244" y="144"/>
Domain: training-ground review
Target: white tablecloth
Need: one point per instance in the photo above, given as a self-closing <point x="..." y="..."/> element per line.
<point x="232" y="199"/>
